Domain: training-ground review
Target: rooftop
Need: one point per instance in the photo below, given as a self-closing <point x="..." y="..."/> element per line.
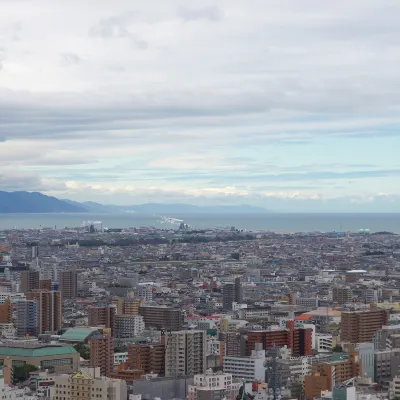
<point x="77" y="334"/>
<point x="45" y="351"/>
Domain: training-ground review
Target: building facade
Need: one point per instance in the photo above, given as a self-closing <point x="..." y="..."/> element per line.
<point x="185" y="353"/>
<point x="87" y="384"/>
<point x="102" y="354"/>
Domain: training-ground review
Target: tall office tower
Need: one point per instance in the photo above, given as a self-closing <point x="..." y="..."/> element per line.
<point x="342" y="294"/>
<point x="167" y="318"/>
<point x="102" y="354"/>
<point x="231" y="292"/>
<point x="6" y="312"/>
<point x="27" y="318"/>
<point x="149" y="358"/>
<point x="361" y="326"/>
<point x="185" y="353"/>
<point x="68" y="281"/>
<point x="50" y="309"/>
<point x="102" y="316"/>
<point x="29" y="281"/>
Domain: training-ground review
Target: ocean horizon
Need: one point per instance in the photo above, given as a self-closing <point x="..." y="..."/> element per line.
<point x="282" y="222"/>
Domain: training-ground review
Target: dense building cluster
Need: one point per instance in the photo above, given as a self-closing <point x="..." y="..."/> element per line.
<point x="145" y="313"/>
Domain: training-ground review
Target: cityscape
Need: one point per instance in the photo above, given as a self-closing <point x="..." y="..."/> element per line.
<point x="199" y="200"/>
<point x="174" y="313"/>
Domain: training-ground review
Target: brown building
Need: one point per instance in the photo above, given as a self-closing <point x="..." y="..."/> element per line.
<point x="314" y="384"/>
<point x="29" y="281"/>
<point x="45" y="284"/>
<point x="68" y="281"/>
<point x="127" y="306"/>
<point x="334" y="372"/>
<point x="126" y="374"/>
<point x="50" y="309"/>
<point x="5" y="312"/>
<point x="299" y="340"/>
<point x="102" y="354"/>
<point x="342" y="295"/>
<point x="102" y="316"/>
<point x="361" y="326"/>
<point x="167" y="318"/>
<point x="147" y="358"/>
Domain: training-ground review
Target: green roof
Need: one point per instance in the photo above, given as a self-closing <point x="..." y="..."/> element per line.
<point x="36" y="352"/>
<point x="76" y="335"/>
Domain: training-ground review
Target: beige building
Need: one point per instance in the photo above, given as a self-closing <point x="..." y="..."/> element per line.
<point x="87" y="384"/>
<point x="58" y="358"/>
<point x="185" y="353"/>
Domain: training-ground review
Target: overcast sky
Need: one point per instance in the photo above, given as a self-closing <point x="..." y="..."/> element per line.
<point x="288" y="104"/>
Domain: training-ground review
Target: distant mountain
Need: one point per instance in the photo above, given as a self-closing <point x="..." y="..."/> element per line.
<point x="34" y="202"/>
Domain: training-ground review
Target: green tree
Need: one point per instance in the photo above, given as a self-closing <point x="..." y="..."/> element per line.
<point x="21" y="372"/>
<point x="83" y="350"/>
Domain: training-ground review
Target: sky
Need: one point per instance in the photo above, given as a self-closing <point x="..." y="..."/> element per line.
<point x="289" y="105"/>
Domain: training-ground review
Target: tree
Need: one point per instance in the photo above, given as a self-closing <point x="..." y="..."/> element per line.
<point x="21" y="372"/>
<point x="337" y="349"/>
<point x="83" y="350"/>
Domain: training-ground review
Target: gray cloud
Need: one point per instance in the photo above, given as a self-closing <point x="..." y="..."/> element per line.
<point x="211" y="13"/>
<point x="70" y="59"/>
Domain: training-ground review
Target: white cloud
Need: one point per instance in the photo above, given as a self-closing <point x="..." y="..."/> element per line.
<point x="107" y="93"/>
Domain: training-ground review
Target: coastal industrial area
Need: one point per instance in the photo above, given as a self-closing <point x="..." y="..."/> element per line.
<point x="176" y="313"/>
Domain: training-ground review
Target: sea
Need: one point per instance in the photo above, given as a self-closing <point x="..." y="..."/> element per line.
<point x="282" y="223"/>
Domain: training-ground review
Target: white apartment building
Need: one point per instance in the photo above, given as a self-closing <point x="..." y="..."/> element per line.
<point x="210" y="385"/>
<point x="120" y="357"/>
<point x="14" y="297"/>
<point x="87" y="383"/>
<point x="247" y="367"/>
<point x="127" y="326"/>
<point x="213" y="346"/>
<point x="323" y="342"/>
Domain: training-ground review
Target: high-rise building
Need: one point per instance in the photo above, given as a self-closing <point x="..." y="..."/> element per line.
<point x="50" y="309"/>
<point x="35" y="252"/>
<point x="360" y="326"/>
<point x="298" y="340"/>
<point x="102" y="316"/>
<point x="5" y="312"/>
<point x="127" y="306"/>
<point x="68" y="281"/>
<point x="185" y="353"/>
<point x="88" y="384"/>
<point x="144" y="292"/>
<point x="336" y="371"/>
<point x="27" y="318"/>
<point x="45" y="284"/>
<point x="249" y="368"/>
<point x="29" y="281"/>
<point x="149" y="358"/>
<point x="342" y="294"/>
<point x="167" y="318"/>
<point x="231" y="292"/>
<point x="127" y="326"/>
<point x="102" y="354"/>
<point x="214" y="386"/>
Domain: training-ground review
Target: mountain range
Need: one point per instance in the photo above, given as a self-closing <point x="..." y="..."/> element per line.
<point x="35" y="202"/>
